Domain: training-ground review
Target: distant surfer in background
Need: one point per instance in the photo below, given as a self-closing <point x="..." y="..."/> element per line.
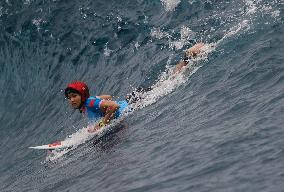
<point x="102" y="107"/>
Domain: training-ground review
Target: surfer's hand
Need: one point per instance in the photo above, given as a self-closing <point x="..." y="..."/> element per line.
<point x="93" y="129"/>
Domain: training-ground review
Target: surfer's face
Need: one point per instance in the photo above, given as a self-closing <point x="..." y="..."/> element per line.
<point x="74" y="100"/>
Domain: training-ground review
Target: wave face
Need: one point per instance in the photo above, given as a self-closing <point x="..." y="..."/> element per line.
<point x="216" y="127"/>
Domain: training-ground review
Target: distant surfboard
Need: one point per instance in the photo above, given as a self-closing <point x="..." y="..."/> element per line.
<point x="55" y="145"/>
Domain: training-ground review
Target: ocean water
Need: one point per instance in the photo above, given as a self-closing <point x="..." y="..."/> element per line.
<point x="217" y="126"/>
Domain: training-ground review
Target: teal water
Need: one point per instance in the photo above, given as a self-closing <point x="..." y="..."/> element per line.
<point x="216" y="128"/>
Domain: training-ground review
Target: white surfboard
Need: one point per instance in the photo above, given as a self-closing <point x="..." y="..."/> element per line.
<point x="55" y="145"/>
<point x="76" y="139"/>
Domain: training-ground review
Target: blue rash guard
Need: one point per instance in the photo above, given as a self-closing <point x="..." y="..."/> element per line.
<point x="93" y="108"/>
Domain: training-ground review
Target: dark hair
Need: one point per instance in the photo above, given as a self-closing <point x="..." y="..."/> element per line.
<point x="71" y="90"/>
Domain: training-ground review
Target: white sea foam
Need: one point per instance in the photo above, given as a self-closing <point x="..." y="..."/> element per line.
<point x="38" y="22"/>
<point x="168" y="81"/>
<point x="251" y="7"/>
<point x="79" y="137"/>
<point x="1" y="11"/>
<point x="185" y="32"/>
<point x="170" y="5"/>
<point x="107" y="51"/>
<point x="157" y="33"/>
<point x="257" y="8"/>
<point x="233" y="31"/>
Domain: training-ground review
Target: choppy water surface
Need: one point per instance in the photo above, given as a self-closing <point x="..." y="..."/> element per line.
<point x="218" y="126"/>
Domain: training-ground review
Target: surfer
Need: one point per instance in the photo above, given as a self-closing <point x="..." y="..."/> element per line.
<point x="102" y="107"/>
<point x="98" y="107"/>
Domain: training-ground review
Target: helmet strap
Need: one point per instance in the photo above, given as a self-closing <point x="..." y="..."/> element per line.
<point x="82" y="107"/>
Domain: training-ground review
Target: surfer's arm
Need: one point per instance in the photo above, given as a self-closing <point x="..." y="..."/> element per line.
<point x="108" y="108"/>
<point x="189" y="53"/>
<point x="106" y="97"/>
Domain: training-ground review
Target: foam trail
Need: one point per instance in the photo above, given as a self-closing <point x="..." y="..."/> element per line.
<point x="170" y="5"/>
<point x="169" y="81"/>
<point x="80" y="137"/>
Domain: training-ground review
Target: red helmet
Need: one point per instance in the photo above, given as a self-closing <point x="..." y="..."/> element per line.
<point x="78" y="87"/>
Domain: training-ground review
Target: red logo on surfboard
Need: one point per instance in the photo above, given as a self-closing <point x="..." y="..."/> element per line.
<point x="54" y="144"/>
